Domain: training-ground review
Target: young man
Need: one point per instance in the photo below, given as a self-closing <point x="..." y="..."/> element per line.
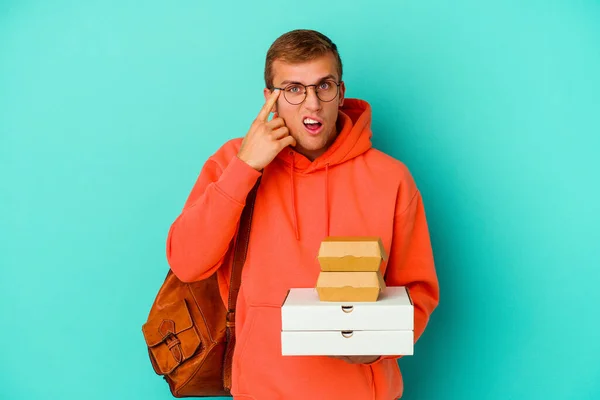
<point x="320" y="177"/>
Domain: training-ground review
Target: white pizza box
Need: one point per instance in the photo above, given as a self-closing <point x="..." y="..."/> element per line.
<point x="347" y="343"/>
<point x="303" y="311"/>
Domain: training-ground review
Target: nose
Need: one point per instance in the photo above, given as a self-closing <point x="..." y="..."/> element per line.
<point x="312" y="102"/>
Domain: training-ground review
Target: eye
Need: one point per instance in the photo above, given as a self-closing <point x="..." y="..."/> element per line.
<point x="325" y="85"/>
<point x="294" y="89"/>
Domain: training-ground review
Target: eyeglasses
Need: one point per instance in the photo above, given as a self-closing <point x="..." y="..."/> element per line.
<point x="295" y="93"/>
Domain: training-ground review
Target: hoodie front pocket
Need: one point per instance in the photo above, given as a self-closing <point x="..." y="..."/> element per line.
<point x="265" y="374"/>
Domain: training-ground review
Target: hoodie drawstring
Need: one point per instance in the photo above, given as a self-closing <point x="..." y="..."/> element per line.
<point x="293" y="195"/>
<point x="327" y="199"/>
<point x="294" y="211"/>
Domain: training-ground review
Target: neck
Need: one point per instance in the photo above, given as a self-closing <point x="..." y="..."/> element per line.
<point x="312" y="155"/>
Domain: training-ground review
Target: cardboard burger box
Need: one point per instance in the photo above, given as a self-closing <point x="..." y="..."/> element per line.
<point x="362" y="253"/>
<point x="350" y="269"/>
<point x="350" y="311"/>
<point x="311" y="327"/>
<point x="350" y="286"/>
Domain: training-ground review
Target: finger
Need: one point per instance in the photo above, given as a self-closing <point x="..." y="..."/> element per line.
<point x="287" y="141"/>
<point x="264" y="112"/>
<point x="280" y="133"/>
<point x="276" y="123"/>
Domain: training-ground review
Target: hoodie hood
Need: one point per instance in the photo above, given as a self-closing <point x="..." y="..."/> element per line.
<point x="353" y="139"/>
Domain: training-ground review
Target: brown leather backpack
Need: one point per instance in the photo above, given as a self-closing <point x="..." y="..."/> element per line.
<point x="190" y="334"/>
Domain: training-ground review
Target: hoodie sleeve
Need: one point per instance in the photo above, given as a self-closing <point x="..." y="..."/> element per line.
<point x="199" y="238"/>
<point x="411" y="262"/>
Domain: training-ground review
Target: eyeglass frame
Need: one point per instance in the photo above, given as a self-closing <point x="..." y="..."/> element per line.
<point x="306" y="90"/>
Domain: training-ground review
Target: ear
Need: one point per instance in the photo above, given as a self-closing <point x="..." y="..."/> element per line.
<point x="342" y="93"/>
<point x="267" y="92"/>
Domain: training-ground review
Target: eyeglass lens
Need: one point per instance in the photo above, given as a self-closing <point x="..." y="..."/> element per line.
<point x="296" y="93"/>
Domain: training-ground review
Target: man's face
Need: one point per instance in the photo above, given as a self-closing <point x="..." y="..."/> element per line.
<point x="312" y="139"/>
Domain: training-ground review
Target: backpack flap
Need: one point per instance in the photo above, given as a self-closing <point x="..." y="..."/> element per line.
<point x="171" y="337"/>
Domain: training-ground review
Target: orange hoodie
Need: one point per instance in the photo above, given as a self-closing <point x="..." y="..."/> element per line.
<point x="351" y="190"/>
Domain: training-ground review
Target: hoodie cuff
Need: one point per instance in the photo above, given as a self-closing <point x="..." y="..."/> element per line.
<point x="381" y="358"/>
<point x="237" y="179"/>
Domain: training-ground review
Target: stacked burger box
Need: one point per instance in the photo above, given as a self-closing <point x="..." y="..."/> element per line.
<point x="350" y="269"/>
<point x="351" y="310"/>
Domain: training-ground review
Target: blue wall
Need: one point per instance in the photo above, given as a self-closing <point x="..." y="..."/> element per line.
<point x="109" y="109"/>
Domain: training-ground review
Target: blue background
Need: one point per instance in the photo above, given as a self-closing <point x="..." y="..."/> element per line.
<point x="109" y="109"/>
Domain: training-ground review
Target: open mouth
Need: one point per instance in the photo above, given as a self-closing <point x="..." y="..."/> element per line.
<point x="313" y="126"/>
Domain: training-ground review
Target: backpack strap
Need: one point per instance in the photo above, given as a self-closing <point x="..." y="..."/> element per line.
<point x="239" y="258"/>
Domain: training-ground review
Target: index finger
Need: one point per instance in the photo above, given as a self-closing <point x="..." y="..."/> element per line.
<point x="264" y="112"/>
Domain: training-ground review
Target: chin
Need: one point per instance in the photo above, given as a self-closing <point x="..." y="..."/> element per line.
<point x="314" y="144"/>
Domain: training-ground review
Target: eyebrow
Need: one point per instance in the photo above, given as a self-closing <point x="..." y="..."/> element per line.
<point x="330" y="76"/>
